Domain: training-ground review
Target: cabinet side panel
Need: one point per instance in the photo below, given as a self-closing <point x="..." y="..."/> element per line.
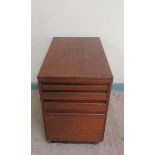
<point x="107" y="106"/>
<point x="42" y="106"/>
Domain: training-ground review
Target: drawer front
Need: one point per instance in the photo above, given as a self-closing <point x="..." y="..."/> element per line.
<point x="74" y="80"/>
<point x="74" y="127"/>
<point x="87" y="88"/>
<point x="64" y="107"/>
<point x="73" y="96"/>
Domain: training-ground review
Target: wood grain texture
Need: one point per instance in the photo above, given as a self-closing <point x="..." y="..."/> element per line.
<point x="76" y="57"/>
<point x="74" y="96"/>
<point x="113" y="139"/>
<point x="75" y="82"/>
<point x="74" y="107"/>
<point x="87" y="88"/>
<point x="74" y="127"/>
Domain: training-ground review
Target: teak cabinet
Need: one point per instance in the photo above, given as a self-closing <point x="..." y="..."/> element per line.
<point x="75" y="82"/>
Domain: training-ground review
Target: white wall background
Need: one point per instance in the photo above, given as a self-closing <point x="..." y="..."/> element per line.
<point x="101" y="18"/>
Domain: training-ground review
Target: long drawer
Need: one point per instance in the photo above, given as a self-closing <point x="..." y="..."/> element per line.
<point x="74" y="126"/>
<point x="87" y="88"/>
<point x="73" y="96"/>
<point x="74" y="107"/>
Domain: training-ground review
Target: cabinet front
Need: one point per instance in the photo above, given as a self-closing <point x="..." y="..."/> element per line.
<point x="74" y="126"/>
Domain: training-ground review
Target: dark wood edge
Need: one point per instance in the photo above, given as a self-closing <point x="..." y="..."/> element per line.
<point x="74" y="113"/>
<point x="42" y="107"/>
<point x="107" y="106"/>
<point x="74" y="80"/>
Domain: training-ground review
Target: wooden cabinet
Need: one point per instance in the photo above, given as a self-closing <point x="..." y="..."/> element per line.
<point x="75" y="82"/>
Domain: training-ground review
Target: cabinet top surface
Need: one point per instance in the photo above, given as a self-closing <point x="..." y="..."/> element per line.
<point x="79" y="57"/>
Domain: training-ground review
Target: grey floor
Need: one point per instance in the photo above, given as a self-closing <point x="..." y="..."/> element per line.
<point x="113" y="143"/>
